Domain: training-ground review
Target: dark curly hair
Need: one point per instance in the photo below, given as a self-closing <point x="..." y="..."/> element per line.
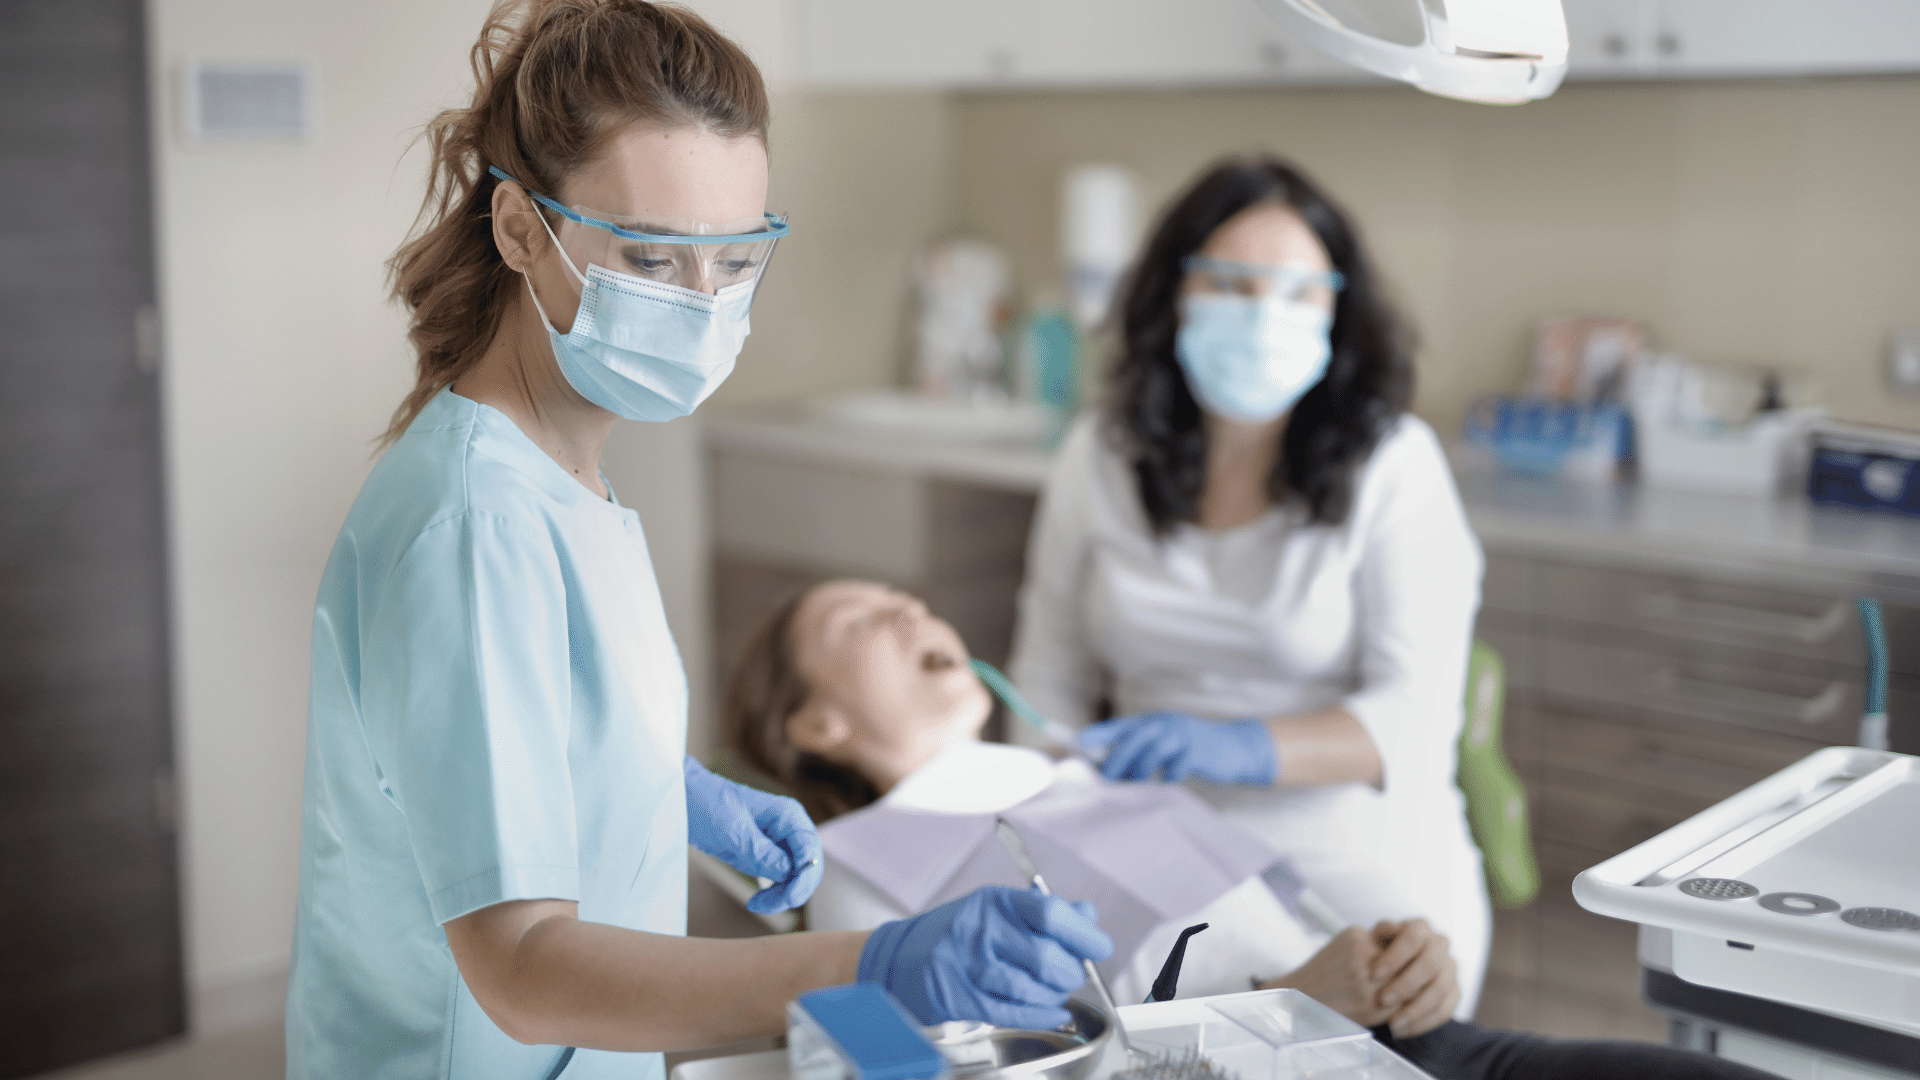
<point x="1333" y="428"/>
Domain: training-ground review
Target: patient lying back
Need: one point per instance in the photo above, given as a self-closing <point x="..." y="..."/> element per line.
<point x="863" y="705"/>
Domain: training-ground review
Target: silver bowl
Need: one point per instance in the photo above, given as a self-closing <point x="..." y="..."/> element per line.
<point x="1068" y="1052"/>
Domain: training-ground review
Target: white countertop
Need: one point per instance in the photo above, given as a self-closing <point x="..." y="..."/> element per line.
<point x="791" y="431"/>
<point x="1622" y="523"/>
<point x="1627" y="522"/>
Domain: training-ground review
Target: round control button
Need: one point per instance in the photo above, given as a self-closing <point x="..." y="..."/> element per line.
<point x="1881" y="918"/>
<point x="1798" y="903"/>
<point x="1718" y="888"/>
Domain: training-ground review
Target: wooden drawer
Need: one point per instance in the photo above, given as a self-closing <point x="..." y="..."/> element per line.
<point x="1600" y="819"/>
<point x="1816" y="702"/>
<point x="1688" y="759"/>
<point x="1815" y="622"/>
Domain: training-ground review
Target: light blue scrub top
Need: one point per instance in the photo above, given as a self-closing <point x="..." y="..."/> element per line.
<point x="498" y="713"/>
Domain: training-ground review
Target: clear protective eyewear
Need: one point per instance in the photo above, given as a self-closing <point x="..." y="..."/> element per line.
<point x="700" y="256"/>
<point x="1294" y="284"/>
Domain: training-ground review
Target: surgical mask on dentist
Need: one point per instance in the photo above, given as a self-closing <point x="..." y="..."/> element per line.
<point x="1251" y="358"/>
<point x="647" y="350"/>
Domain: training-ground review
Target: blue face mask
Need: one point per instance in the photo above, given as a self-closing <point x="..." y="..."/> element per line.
<point x="647" y="350"/>
<point x="1251" y="358"/>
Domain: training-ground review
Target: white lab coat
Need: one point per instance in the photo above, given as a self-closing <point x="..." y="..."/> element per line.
<point x="1251" y="934"/>
<point x="1276" y="617"/>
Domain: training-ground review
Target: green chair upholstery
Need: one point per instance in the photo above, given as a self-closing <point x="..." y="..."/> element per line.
<point x="1496" y="800"/>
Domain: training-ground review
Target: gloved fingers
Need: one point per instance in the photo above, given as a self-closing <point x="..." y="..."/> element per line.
<point x="1019" y="967"/>
<point x="789" y="894"/>
<point x="1138" y="753"/>
<point x="748" y="850"/>
<point x="796" y="835"/>
<point x="1100" y="736"/>
<point x="1179" y="765"/>
<point x="778" y="815"/>
<point x="1018" y="1015"/>
<point x="1075" y="926"/>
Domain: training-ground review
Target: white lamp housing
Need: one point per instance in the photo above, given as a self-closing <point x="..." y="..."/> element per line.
<point x="1499" y="52"/>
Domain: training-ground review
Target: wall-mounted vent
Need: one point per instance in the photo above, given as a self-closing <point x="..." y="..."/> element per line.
<point x="249" y="102"/>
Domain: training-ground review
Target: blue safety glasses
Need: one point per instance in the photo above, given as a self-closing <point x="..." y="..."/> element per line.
<point x="674" y="253"/>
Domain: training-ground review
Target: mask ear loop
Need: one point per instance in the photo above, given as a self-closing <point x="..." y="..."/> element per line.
<point x="564" y="261"/>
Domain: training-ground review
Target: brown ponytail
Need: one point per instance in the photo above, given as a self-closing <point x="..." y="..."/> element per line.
<point x="555" y="78"/>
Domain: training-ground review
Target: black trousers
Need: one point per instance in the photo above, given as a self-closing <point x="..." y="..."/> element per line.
<point x="1457" y="1051"/>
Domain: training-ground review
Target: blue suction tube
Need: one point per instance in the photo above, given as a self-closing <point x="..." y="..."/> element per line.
<point x="1873" y="724"/>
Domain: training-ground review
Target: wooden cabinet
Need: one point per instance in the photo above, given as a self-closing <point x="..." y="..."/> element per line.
<point x="1636" y="700"/>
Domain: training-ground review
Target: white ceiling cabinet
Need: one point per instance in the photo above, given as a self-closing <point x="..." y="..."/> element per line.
<point x="1786" y="37"/>
<point x="981" y="44"/>
<point x="1038" y="43"/>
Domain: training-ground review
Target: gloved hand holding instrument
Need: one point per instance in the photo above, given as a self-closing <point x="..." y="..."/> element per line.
<point x="766" y="836"/>
<point x="1006" y="956"/>
<point x="1174" y="746"/>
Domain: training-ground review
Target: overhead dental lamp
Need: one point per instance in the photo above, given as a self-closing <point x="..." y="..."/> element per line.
<point x="1499" y="52"/>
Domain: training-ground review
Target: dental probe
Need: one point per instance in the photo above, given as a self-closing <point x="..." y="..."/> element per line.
<point x="1010" y="839"/>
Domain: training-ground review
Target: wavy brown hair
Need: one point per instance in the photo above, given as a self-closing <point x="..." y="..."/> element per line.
<point x="767" y="688"/>
<point x="553" y="80"/>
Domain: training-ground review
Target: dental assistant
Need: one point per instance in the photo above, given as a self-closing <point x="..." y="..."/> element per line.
<point x="1256" y="557"/>
<point x="498" y="803"/>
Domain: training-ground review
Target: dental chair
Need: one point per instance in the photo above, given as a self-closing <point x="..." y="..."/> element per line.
<point x="1496" y="800"/>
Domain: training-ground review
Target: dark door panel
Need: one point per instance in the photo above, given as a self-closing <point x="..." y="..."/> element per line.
<point x="90" y="959"/>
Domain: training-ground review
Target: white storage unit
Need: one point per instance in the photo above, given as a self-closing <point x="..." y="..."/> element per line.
<point x="1024" y="44"/>
<point x="1610" y="39"/>
<point x="1014" y="44"/>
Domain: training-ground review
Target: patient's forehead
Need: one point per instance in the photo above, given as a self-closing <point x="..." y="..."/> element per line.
<point x="823" y="605"/>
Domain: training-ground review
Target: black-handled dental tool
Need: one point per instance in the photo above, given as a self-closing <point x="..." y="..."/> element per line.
<point x="1163" y="987"/>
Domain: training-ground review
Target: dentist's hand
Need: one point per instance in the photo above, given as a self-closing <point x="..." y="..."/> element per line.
<point x="1006" y="956"/>
<point x="756" y="833"/>
<point x="1179" y="746"/>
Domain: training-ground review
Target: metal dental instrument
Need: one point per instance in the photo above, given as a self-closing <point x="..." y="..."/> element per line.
<point x="1010" y="839"/>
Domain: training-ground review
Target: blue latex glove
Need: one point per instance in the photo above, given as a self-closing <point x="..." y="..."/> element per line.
<point x="764" y="835"/>
<point x="1180" y="746"/>
<point x="1006" y="956"/>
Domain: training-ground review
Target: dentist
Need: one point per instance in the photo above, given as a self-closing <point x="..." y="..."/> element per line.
<point x="498" y="803"/>
<point x="1256" y="558"/>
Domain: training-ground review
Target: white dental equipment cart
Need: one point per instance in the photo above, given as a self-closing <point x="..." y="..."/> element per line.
<point x="1261" y="1035"/>
<point x="1781" y="928"/>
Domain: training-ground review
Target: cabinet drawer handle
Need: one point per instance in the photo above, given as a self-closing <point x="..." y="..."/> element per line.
<point x="1811" y="710"/>
<point x="1808" y="629"/>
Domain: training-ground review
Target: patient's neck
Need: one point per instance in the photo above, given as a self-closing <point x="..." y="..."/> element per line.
<point x="886" y="771"/>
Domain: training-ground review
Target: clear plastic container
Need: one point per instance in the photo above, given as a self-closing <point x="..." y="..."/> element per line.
<point x="1264" y="1035"/>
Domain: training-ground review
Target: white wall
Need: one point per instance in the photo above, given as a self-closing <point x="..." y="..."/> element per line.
<point x="283" y="359"/>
